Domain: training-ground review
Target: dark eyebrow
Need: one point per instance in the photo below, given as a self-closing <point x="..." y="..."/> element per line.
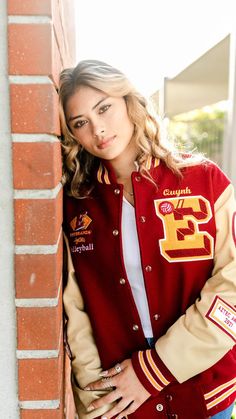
<point x="94" y="107"/>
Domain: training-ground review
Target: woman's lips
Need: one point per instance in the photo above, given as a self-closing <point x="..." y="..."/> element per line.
<point x="106" y="142"/>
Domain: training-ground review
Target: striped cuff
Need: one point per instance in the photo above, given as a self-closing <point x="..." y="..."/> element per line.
<point x="151" y="371"/>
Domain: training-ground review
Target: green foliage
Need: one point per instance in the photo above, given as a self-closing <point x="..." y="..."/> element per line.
<point x="200" y="130"/>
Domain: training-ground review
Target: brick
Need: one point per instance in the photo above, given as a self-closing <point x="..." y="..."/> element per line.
<point x="38" y="276"/>
<point x="38" y="221"/>
<point x="28" y="44"/>
<point x="33" y="50"/>
<point x="34" y="109"/>
<point x="40" y="379"/>
<point x="39" y="328"/>
<point x="36" y="165"/>
<point x="29" y="7"/>
<point x="43" y="414"/>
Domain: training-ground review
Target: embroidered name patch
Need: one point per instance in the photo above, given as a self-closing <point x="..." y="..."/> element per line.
<point x="224" y="316"/>
<point x="234" y="228"/>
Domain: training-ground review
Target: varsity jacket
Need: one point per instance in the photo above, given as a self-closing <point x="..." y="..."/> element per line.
<point x="186" y="231"/>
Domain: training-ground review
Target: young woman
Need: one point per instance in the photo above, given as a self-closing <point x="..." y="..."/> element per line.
<point x="150" y="236"/>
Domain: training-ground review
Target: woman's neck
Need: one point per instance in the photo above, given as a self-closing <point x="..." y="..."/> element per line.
<point x="125" y="165"/>
<point x="123" y="173"/>
<point x="123" y="169"/>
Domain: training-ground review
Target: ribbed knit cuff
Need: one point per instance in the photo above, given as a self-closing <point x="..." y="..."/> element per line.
<point x="151" y="371"/>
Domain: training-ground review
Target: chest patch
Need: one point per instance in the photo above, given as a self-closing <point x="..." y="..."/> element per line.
<point x="81" y="233"/>
<point x="181" y="218"/>
<point x="80" y="223"/>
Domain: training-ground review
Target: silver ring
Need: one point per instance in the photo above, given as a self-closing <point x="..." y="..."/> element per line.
<point x="107" y="381"/>
<point x="118" y="368"/>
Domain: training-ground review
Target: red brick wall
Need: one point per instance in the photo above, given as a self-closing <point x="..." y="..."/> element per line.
<point x="41" y="43"/>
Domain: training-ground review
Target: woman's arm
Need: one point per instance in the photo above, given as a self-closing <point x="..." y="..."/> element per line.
<point x="85" y="360"/>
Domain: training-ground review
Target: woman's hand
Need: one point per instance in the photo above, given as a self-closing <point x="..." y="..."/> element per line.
<point x="128" y="391"/>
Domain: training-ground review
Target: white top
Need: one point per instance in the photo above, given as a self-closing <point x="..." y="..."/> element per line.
<point x="133" y="266"/>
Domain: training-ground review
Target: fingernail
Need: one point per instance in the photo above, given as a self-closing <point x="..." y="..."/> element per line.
<point x="87" y="388"/>
<point x="90" y="408"/>
<point x="103" y="374"/>
<point x="103" y="417"/>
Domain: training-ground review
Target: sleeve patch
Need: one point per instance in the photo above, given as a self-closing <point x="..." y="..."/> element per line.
<point x="234" y="228"/>
<point x="224" y="316"/>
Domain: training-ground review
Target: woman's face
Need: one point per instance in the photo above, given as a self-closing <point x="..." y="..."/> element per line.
<point x="100" y="123"/>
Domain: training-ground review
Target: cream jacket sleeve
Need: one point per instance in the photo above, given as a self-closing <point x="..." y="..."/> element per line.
<point x="195" y="342"/>
<point x="85" y="361"/>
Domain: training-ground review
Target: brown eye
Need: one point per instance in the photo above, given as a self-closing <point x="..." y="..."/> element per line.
<point x="80" y="124"/>
<point x="104" y="108"/>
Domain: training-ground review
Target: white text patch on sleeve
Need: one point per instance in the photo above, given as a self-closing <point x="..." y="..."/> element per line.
<point x="224" y="316"/>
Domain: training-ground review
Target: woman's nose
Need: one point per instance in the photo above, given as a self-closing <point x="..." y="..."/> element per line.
<point x="97" y="127"/>
<point x="98" y="132"/>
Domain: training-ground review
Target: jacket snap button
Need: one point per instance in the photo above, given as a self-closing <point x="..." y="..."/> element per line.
<point x="117" y="191"/>
<point x="156" y="317"/>
<point x="148" y="268"/>
<point x="115" y="232"/>
<point x="142" y="219"/>
<point x="122" y="281"/>
<point x="169" y="397"/>
<point x="159" y="407"/>
<point x="137" y="178"/>
<point x="135" y="327"/>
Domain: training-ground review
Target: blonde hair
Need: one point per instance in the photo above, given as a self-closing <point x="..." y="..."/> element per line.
<point x="78" y="164"/>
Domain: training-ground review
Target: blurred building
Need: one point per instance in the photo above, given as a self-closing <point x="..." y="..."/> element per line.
<point x="208" y="80"/>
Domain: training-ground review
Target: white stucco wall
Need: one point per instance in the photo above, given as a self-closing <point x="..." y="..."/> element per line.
<point x="229" y="164"/>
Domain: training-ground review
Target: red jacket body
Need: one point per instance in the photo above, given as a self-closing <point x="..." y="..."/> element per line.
<point x="176" y="264"/>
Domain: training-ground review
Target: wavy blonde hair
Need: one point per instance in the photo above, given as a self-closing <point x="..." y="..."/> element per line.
<point x="77" y="163"/>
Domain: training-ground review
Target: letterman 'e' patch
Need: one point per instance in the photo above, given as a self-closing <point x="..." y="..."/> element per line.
<point x="224" y="316"/>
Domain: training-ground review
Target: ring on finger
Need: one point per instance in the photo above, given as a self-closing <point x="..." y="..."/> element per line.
<point x="118" y="368"/>
<point x="107" y="382"/>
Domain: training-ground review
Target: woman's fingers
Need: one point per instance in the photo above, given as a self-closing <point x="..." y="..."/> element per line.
<point x="118" y="409"/>
<point x="103" y="384"/>
<point x="128" y="391"/>
<point x="107" y="399"/>
<point x="130" y="409"/>
<point x="112" y="371"/>
<point x="108" y="380"/>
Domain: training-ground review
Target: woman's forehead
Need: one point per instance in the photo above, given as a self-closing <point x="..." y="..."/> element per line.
<point x="84" y="99"/>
